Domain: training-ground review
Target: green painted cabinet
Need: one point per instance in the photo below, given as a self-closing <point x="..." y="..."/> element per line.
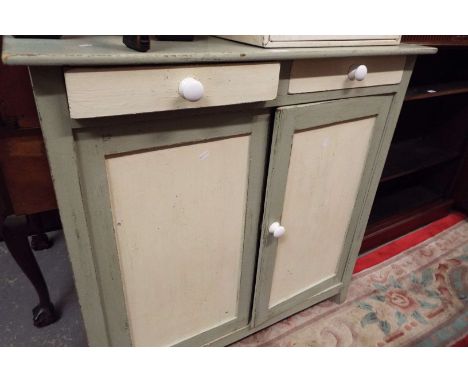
<point x="200" y="223"/>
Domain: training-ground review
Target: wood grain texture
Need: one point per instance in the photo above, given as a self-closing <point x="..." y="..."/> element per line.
<point x="116" y="91"/>
<point x="17" y="108"/>
<point x="330" y="74"/>
<point x="26" y="172"/>
<point x="24" y="168"/>
<point x="320" y="194"/>
<point x="181" y="269"/>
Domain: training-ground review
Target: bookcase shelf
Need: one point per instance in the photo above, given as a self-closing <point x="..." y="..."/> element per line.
<point x="408" y="157"/>
<point x="436" y="90"/>
<point x="426" y="172"/>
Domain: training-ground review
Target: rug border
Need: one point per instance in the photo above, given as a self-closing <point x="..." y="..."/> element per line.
<point x="404" y="243"/>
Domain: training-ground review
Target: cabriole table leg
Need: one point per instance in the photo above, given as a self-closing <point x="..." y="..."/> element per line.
<point x="15" y="233"/>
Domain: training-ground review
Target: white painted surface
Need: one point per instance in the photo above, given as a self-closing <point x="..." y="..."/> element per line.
<point x="298" y="41"/>
<point x="96" y="92"/>
<point x="332" y="73"/>
<point x="324" y="175"/>
<point x="355" y="38"/>
<point x="179" y="221"/>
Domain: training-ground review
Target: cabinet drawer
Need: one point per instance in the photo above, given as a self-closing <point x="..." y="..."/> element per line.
<point x="114" y="91"/>
<point x="332" y="73"/>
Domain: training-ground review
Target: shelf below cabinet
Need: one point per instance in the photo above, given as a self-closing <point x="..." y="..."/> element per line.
<point x="409" y="157"/>
<point x="400" y="224"/>
<point x="404" y="199"/>
<point x="436" y="90"/>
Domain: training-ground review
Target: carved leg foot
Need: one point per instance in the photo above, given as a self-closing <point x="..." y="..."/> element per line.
<point x="40" y="242"/>
<point x="15" y="232"/>
<point x="39" y="239"/>
<point x="44" y="315"/>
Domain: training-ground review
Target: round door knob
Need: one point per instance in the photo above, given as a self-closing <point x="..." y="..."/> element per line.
<point x="358" y="72"/>
<point x="276" y="229"/>
<point x="191" y="89"/>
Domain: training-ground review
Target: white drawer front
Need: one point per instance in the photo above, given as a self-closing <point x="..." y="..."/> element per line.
<point x="332" y="73"/>
<point x="115" y="91"/>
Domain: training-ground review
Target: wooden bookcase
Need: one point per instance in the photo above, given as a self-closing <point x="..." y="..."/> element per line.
<point x="426" y="172"/>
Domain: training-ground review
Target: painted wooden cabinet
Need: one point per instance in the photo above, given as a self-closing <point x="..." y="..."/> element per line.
<point x="197" y="216"/>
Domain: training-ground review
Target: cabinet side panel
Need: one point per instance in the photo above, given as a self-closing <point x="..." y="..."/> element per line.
<point x="179" y="217"/>
<point x="325" y="171"/>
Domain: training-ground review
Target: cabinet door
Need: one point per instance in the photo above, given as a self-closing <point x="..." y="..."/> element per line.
<point x="321" y="162"/>
<point x="173" y="209"/>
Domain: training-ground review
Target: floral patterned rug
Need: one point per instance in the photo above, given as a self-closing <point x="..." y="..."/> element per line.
<point x="417" y="297"/>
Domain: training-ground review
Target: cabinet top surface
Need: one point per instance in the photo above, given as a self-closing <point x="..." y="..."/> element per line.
<point x="109" y="50"/>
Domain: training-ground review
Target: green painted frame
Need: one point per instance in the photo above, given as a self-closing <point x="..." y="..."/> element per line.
<point x="289" y="120"/>
<point x="93" y="146"/>
<point x="51" y="101"/>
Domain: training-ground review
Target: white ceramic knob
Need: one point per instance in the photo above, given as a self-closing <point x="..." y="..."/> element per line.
<point x="358" y="72"/>
<point x="276" y="229"/>
<point x="191" y="89"/>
